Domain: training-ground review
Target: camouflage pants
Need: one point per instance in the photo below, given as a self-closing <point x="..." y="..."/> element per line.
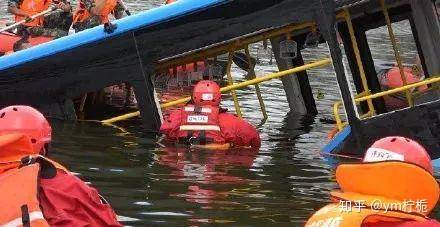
<point x="90" y="22"/>
<point x="55" y="25"/>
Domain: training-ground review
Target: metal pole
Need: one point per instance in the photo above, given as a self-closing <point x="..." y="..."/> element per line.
<point x="396" y="50"/>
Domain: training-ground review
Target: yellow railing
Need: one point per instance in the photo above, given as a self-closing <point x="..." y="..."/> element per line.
<point x="357" y="54"/>
<point x="252" y="75"/>
<point x="396" y="50"/>
<point x="236" y="86"/>
<point x="231" y="82"/>
<point x="362" y="97"/>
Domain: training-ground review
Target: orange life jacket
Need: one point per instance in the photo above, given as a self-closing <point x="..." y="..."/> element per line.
<point x="200" y="125"/>
<point x="82" y="14"/>
<point x="332" y="215"/>
<point x="169" y="1"/>
<point x="33" y="7"/>
<point x="19" y="190"/>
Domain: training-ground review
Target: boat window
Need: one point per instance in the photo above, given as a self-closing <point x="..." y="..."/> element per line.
<point x="110" y="101"/>
<point x="387" y="70"/>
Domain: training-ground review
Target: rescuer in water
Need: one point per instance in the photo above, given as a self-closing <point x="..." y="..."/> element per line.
<point x="56" y="24"/>
<point x="35" y="190"/>
<point x="393" y="186"/>
<point x="91" y="13"/>
<point x="204" y="123"/>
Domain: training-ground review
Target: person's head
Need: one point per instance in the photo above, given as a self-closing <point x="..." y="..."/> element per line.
<point x="399" y="148"/>
<point x="28" y="123"/>
<point x="394" y="170"/>
<point x="206" y="93"/>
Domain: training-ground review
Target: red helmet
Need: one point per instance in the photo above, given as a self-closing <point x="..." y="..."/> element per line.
<point x="399" y="149"/>
<point x="27" y="121"/>
<point x="206" y="92"/>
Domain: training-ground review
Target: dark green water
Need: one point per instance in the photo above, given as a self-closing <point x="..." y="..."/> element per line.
<point x="283" y="183"/>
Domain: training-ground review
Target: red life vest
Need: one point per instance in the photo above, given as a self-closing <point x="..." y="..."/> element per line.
<point x="19" y="189"/>
<point x="33" y="7"/>
<point x="200" y="125"/>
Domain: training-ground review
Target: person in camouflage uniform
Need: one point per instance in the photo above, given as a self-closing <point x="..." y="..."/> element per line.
<point x="56" y="24"/>
<point x="95" y="20"/>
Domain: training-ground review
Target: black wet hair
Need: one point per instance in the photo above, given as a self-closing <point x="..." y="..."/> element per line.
<point x="24" y="40"/>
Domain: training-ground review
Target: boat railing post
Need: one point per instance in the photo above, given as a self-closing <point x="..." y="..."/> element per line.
<point x="359" y="60"/>
<point x="326" y="21"/>
<point x="231" y="82"/>
<point x="252" y="75"/>
<point x="396" y="50"/>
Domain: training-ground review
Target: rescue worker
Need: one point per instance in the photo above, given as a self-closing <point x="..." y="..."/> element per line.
<point x="55" y="24"/>
<point x="91" y="13"/>
<point x="35" y="190"/>
<point x="204" y="123"/>
<point x="393" y="186"/>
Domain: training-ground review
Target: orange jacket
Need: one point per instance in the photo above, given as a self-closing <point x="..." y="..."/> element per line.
<point x="332" y="215"/>
<point x="19" y="195"/>
<point x="81" y="14"/>
<point x="33" y="7"/>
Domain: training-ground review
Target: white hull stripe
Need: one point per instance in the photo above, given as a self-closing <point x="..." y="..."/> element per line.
<point x="18" y="222"/>
<point x="199" y="128"/>
<point x="191" y="109"/>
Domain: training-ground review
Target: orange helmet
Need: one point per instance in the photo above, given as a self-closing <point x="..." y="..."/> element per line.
<point x="393" y="78"/>
<point x="399" y="149"/>
<point x="27" y="121"/>
<point x="206" y="92"/>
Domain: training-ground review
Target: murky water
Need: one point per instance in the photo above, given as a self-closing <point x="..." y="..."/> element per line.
<point x="283" y="182"/>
